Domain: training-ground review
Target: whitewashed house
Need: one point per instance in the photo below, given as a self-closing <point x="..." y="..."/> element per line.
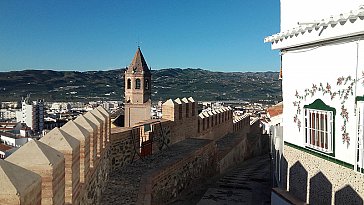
<point x="13" y="139"/>
<point x="322" y="61"/>
<point x="275" y="114"/>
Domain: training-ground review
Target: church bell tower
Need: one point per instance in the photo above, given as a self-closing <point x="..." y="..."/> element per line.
<point x="137" y="90"/>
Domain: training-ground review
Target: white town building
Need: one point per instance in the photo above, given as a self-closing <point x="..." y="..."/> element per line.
<point x="275" y="114"/>
<point x="322" y="61"/>
<point x="60" y="107"/>
<point x="7" y="114"/>
<point x="32" y="113"/>
<point x="13" y="140"/>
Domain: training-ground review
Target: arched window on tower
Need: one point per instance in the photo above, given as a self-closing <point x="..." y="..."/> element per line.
<point x="146" y="84"/>
<point x="128" y="86"/>
<point x="137" y="83"/>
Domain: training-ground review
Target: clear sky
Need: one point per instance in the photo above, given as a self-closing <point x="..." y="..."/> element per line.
<point x="218" y="35"/>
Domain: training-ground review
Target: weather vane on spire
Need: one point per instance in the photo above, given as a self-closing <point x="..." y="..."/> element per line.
<point x="138" y="43"/>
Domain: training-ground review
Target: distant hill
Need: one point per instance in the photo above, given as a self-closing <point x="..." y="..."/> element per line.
<point x="166" y="83"/>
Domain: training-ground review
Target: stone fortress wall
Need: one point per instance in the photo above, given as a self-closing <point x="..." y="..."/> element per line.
<point x="72" y="164"/>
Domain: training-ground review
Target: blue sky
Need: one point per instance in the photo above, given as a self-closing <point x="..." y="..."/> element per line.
<point x="224" y="35"/>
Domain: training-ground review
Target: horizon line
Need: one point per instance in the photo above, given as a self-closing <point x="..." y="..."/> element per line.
<point x="110" y="69"/>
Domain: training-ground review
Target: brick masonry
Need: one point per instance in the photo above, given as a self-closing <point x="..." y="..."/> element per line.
<point x="70" y="148"/>
<point x="22" y="185"/>
<point x="180" y="157"/>
<point x="49" y="164"/>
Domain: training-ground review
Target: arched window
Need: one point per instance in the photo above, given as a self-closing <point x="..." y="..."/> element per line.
<point x="128" y="86"/>
<point x="146" y="84"/>
<point x="137" y="83"/>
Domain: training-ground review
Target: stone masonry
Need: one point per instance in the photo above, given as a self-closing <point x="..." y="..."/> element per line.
<point x="24" y="186"/>
<point x="78" y="163"/>
<point x="83" y="136"/>
<point x="48" y="163"/>
<point x="70" y="148"/>
<point x="160" y="177"/>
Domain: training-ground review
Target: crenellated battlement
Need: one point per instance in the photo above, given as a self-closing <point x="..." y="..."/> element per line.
<point x="215" y="124"/>
<point x="241" y="122"/>
<point x="60" y="161"/>
<point x="72" y="164"/>
<point x="179" y="110"/>
<point x="183" y="114"/>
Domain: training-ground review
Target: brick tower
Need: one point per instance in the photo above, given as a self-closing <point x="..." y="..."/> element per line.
<point x="137" y="90"/>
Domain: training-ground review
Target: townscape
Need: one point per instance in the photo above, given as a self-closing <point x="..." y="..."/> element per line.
<point x="142" y="142"/>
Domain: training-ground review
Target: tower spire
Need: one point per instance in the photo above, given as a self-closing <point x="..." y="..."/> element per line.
<point x="137" y="90"/>
<point x="138" y="64"/>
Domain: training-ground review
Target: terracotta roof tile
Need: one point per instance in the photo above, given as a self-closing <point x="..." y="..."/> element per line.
<point x="275" y="110"/>
<point x="4" y="147"/>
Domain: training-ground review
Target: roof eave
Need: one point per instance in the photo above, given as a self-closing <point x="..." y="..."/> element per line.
<point x="335" y="27"/>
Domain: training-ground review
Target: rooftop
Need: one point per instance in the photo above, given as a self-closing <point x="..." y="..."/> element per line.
<point x="331" y="27"/>
<point x="4" y="148"/>
<point x="275" y="110"/>
<point x="138" y="64"/>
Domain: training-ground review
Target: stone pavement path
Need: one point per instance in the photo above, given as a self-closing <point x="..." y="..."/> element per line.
<point x="123" y="184"/>
<point x="249" y="182"/>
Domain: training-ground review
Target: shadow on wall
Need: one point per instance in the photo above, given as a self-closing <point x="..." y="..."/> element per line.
<point x="320" y="190"/>
<point x="284" y="173"/>
<point x="258" y="144"/>
<point x="347" y="195"/>
<point x="298" y="181"/>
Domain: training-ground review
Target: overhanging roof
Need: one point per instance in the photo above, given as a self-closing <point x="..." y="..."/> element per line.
<point x="333" y="27"/>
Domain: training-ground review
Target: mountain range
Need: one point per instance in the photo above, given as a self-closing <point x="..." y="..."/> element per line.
<point x="166" y="83"/>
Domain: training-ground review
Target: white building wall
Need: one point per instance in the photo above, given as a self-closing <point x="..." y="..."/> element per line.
<point x="19" y="116"/>
<point x="15" y="142"/>
<point x="276" y="120"/>
<point x="2" y="154"/>
<point x="325" y="64"/>
<point x="360" y="87"/>
<point x="32" y="115"/>
<point x="293" y="11"/>
<point x="8" y="140"/>
<point x="28" y="115"/>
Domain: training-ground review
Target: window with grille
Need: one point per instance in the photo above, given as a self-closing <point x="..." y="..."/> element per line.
<point x="319" y="126"/>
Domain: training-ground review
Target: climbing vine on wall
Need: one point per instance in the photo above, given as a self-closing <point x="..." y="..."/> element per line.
<point x="345" y="89"/>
